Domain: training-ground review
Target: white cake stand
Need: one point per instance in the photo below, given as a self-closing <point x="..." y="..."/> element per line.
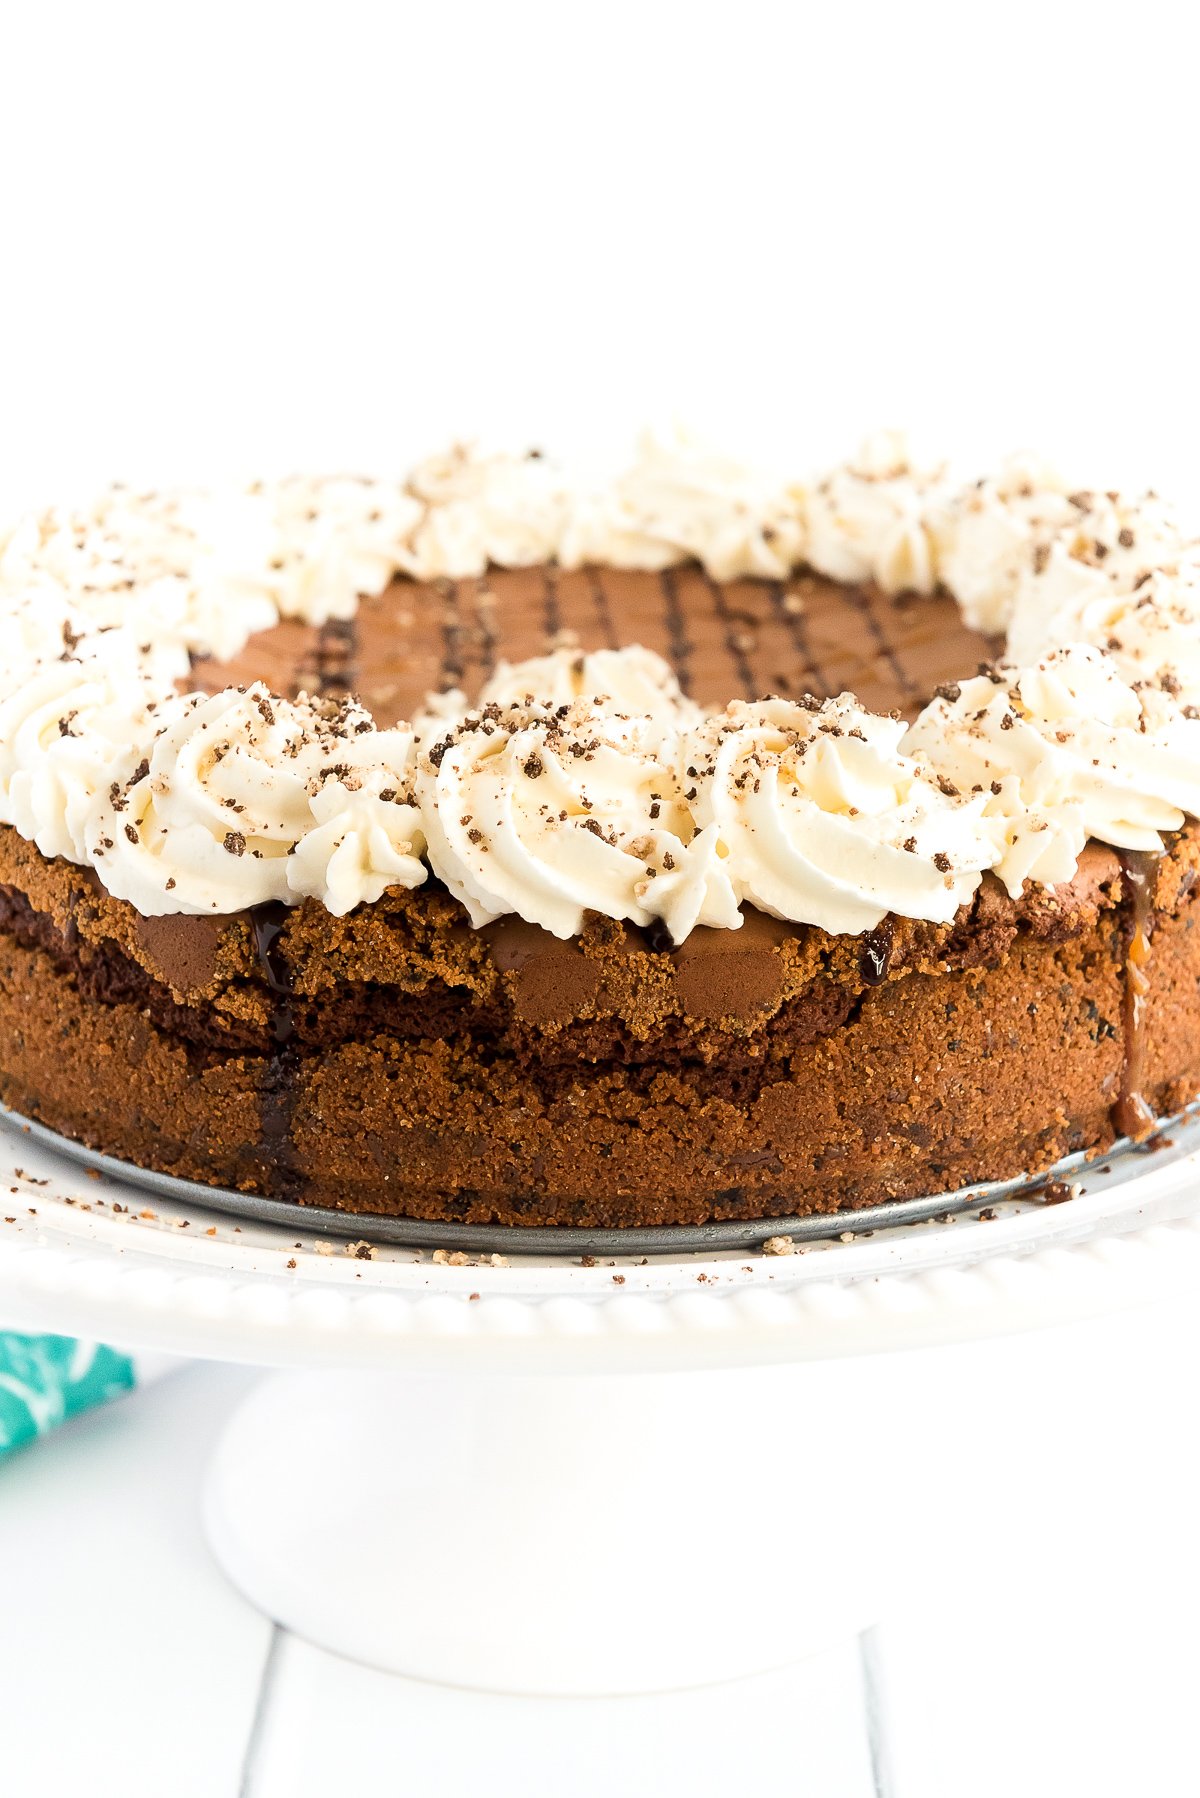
<point x="453" y="1476"/>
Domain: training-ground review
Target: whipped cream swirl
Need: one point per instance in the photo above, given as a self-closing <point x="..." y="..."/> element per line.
<point x="552" y="812"/>
<point x="825" y="820"/>
<point x="870" y="519"/>
<point x="64" y="727"/>
<point x="1151" y="632"/>
<point x="680" y="501"/>
<point x="243" y="797"/>
<point x="1107" y="549"/>
<point x="585" y="780"/>
<point x="478" y="509"/>
<point x="632" y="680"/>
<point x="334" y="539"/>
<point x="185" y="569"/>
<point x="1061" y="752"/>
<point x="989" y="533"/>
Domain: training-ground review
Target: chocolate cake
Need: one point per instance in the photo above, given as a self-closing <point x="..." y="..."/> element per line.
<point x="923" y="919"/>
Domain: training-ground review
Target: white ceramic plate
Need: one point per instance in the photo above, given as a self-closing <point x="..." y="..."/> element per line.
<point x="86" y="1254"/>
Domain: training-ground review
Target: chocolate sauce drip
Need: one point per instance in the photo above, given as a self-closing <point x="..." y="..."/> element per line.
<point x="337" y="657"/>
<point x="875" y="952"/>
<point x="280" y="1087"/>
<point x="1132" y="1114"/>
<point x="680" y="649"/>
<point x="658" y="938"/>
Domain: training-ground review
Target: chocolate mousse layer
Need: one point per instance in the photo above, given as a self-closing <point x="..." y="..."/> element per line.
<point x="737" y="641"/>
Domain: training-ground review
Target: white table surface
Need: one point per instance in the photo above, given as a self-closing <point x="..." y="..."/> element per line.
<point x="1053" y="1650"/>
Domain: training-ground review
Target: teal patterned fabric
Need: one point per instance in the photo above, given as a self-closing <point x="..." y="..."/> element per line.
<point x="46" y="1379"/>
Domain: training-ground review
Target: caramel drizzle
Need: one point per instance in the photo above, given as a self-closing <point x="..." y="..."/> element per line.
<point x="1132" y="1114"/>
<point x="280" y="1087"/>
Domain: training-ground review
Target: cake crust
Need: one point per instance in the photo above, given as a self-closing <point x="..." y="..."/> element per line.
<point x="407" y="1065"/>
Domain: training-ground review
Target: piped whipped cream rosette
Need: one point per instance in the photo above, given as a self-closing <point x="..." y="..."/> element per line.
<point x="38" y="628"/>
<point x="33" y="631"/>
<point x="1019" y="551"/>
<point x="204" y="571"/>
<point x="243" y="797"/>
<point x="333" y="539"/>
<point x="203" y="817"/>
<point x="633" y="680"/>
<point x="1106" y="552"/>
<point x="870" y="520"/>
<point x="187" y="569"/>
<point x="1061" y="752"/>
<point x="989" y="533"/>
<point x="1149" y="629"/>
<point x="188" y="803"/>
<point x="367" y="836"/>
<point x="824" y="820"/>
<point x="65" y="725"/>
<point x="366" y="833"/>
<point x="1153" y="632"/>
<point x="681" y="501"/>
<point x="475" y="510"/>
<point x="552" y="812"/>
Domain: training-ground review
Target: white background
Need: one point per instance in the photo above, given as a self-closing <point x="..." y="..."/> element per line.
<point x="266" y="237"/>
<point x="243" y="238"/>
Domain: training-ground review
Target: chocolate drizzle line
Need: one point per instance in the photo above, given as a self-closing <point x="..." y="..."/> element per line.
<point x="452" y="669"/>
<point x="604" y="617"/>
<point x="485" y="626"/>
<point x="553" y="611"/>
<point x="337" y="657"/>
<point x="267" y="923"/>
<point x="680" y="648"/>
<point x="861" y="599"/>
<point x="797" y="626"/>
<point x="739" y="655"/>
<point x="1132" y="1114"/>
<point x="875" y="951"/>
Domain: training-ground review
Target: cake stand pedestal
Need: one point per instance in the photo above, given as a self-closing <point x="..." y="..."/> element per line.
<point x="547" y="1477"/>
<point x="559" y="1535"/>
